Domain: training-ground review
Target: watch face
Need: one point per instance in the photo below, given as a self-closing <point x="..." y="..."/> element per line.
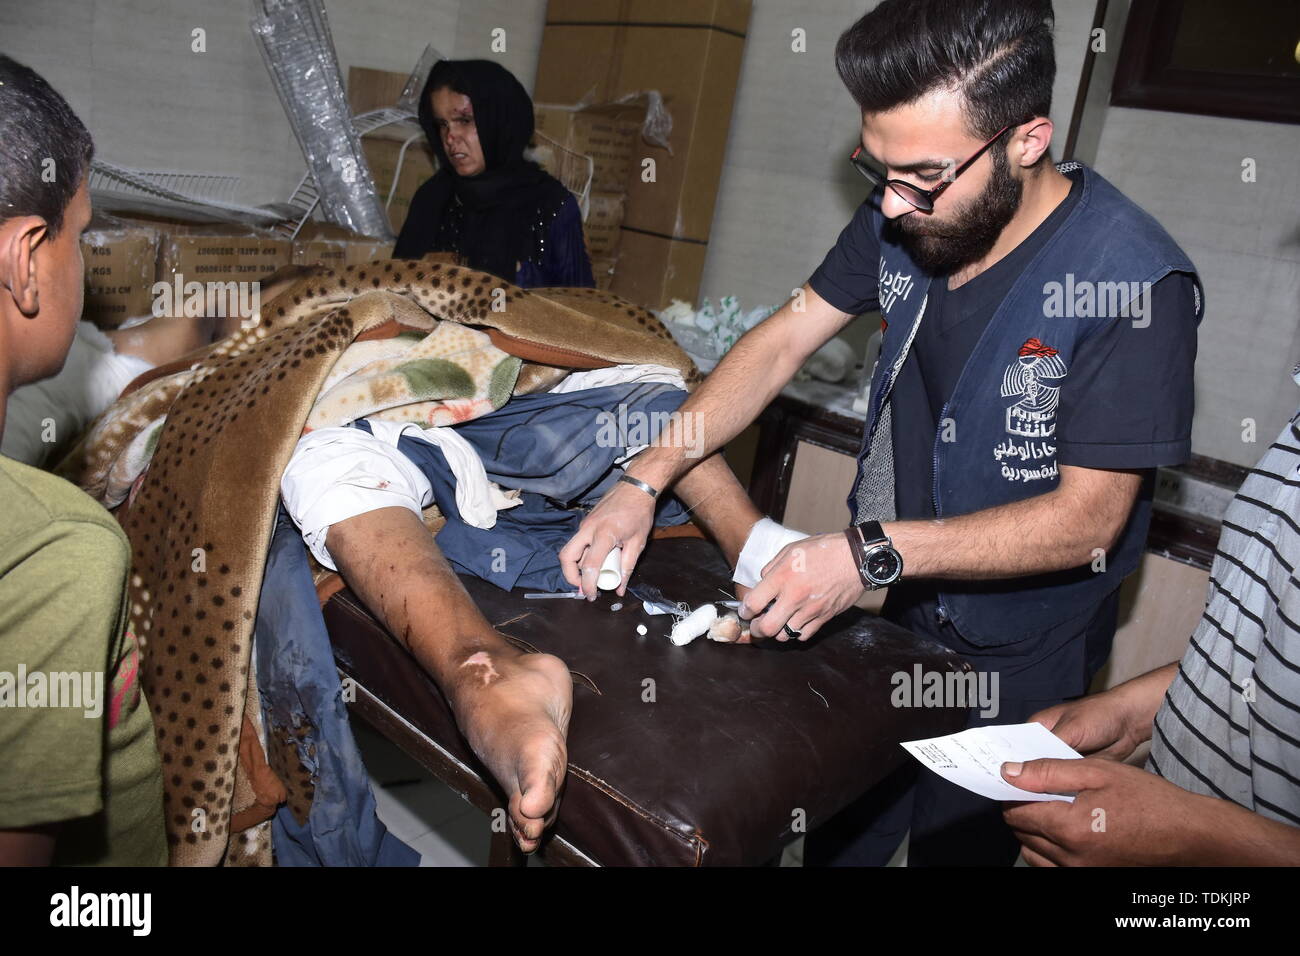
<point x="883" y="565"/>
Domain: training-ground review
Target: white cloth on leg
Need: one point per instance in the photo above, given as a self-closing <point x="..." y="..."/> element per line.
<point x="477" y="499"/>
<point x="339" y="473"/>
<point x="618" y="375"/>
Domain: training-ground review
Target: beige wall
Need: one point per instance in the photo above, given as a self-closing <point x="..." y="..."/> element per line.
<point x="787" y="187"/>
<point x="1245" y="241"/>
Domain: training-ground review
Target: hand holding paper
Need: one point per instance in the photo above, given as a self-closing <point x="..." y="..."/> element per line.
<point x="973" y="758"/>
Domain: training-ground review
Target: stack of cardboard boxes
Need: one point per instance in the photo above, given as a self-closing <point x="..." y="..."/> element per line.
<point x="125" y="257"/>
<point x="690" y="51"/>
<point x="609" y="134"/>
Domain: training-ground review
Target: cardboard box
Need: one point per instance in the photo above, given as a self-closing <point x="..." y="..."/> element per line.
<point x="325" y="244"/>
<point x="688" y="50"/>
<point x="653" y="270"/>
<point x="373" y="89"/>
<point x="368" y="250"/>
<point x="330" y="253"/>
<point x="121" y="261"/>
<point x="603" y="227"/>
<point x="609" y="134"/>
<point x="412" y="166"/>
<point x="221" y="257"/>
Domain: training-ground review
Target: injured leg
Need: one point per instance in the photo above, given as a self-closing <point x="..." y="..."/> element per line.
<point x="513" y="707"/>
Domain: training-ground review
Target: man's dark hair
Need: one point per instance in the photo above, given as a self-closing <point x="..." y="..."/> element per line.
<point x="36" y="125"/>
<point x="998" y="53"/>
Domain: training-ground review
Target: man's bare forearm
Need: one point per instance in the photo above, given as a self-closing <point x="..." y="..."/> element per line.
<point x="33" y="846"/>
<point x="749" y="376"/>
<point x="712" y="494"/>
<point x="1051" y="532"/>
<point x="1145" y="695"/>
<point x="1227" y="834"/>
<point x="732" y="396"/>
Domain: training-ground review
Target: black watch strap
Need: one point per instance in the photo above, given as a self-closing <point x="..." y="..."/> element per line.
<point x="872" y="533"/>
<point x="854" y="534"/>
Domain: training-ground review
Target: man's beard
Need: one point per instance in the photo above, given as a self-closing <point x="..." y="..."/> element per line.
<point x="970" y="232"/>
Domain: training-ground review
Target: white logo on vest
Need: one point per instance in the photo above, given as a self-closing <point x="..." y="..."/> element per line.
<point x="1034" y="379"/>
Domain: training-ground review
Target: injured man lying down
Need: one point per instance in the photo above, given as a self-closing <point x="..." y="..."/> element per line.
<point x="369" y="407"/>
<point x="511" y="486"/>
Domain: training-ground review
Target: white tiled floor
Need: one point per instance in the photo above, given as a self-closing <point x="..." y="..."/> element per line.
<point x="419" y="810"/>
<point x="425" y="814"/>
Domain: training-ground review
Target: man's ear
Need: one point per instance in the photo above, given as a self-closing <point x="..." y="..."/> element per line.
<point x="1032" y="141"/>
<point x="18" y="241"/>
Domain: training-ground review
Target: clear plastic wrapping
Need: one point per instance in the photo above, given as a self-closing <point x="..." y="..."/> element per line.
<point x="657" y="130"/>
<point x="409" y="101"/>
<point x="298" y="49"/>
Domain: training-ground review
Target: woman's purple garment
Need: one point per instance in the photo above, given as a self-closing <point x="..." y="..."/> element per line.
<point x="564" y="260"/>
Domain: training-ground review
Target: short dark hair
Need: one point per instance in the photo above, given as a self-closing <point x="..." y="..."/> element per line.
<point x="998" y="53"/>
<point x="36" y="125"/>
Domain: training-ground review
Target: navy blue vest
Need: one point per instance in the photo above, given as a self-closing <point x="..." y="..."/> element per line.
<point x="996" y="437"/>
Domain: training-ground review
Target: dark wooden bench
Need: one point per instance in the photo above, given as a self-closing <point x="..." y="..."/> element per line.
<point x="704" y="755"/>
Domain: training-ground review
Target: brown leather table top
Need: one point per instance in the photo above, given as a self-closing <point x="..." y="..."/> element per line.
<point x="741" y="746"/>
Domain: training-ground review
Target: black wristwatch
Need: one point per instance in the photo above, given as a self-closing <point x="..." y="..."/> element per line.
<point x="879" y="564"/>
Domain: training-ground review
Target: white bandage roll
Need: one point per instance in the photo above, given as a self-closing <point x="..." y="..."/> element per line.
<point x="610" y="575"/>
<point x="693" y="625"/>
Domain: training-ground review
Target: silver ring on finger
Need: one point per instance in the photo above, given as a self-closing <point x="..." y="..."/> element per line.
<point x="791" y="631"/>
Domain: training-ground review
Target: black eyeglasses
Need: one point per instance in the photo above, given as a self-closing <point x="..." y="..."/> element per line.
<point x="913" y="195"/>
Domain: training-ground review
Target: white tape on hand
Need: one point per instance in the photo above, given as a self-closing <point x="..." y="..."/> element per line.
<point x="765" y="541"/>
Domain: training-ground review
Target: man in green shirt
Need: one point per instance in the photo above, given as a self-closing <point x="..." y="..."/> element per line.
<point x="80" y="781"/>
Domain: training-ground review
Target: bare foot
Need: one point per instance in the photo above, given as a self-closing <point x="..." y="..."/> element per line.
<point x="514" y="710"/>
<point x="512" y="707"/>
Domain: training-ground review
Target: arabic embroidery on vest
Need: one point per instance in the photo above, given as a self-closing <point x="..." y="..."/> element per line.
<point x="1034" y="381"/>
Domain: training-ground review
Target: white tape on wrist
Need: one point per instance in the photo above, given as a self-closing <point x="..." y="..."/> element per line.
<point x="765" y="540"/>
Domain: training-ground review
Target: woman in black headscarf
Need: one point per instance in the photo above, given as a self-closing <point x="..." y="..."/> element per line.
<point x="499" y="212"/>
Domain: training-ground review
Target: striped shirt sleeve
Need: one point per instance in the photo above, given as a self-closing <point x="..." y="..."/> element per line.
<point x="1229" y="726"/>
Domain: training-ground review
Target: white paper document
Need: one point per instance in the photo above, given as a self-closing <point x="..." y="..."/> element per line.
<point x="973" y="758"/>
